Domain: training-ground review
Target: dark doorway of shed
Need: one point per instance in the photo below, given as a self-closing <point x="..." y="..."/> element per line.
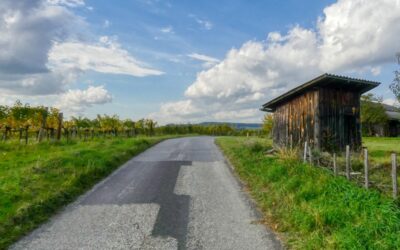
<point x="349" y="130"/>
<point x="393" y="128"/>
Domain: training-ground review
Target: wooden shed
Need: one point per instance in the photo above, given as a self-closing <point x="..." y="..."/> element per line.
<point x="325" y="112"/>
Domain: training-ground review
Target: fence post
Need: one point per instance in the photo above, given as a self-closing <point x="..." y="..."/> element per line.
<point x="26" y="134"/>
<point x="366" y="185"/>
<point x="42" y="128"/>
<point x="348" y="162"/>
<point x="60" y="121"/>
<point x="394" y="175"/>
<point x="335" y="170"/>
<point x="305" y="152"/>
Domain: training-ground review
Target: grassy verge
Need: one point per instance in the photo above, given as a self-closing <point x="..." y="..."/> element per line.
<point x="308" y="206"/>
<point x="36" y="180"/>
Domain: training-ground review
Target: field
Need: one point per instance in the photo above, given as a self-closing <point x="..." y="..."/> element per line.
<point x="381" y="148"/>
<point x="37" y="179"/>
<point x="308" y="206"/>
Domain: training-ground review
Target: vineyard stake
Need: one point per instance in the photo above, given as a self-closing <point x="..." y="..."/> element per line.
<point x="26" y="134"/>
<point x="394" y="175"/>
<point x="348" y="162"/>
<point x="366" y="185"/>
<point x="60" y="121"/>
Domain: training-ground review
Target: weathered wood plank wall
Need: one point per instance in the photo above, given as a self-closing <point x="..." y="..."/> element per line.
<point x="327" y="118"/>
<point x="295" y="121"/>
<point x="340" y="119"/>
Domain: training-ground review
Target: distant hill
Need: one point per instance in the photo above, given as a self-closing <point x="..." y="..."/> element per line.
<point x="236" y="125"/>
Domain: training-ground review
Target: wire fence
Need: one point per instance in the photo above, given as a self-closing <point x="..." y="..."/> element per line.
<point x="359" y="167"/>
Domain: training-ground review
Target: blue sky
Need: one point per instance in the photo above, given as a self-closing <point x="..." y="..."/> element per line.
<point x="189" y="61"/>
<point x="138" y="25"/>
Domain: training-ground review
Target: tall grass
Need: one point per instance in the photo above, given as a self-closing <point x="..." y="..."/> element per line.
<point x="36" y="180"/>
<point x="309" y="207"/>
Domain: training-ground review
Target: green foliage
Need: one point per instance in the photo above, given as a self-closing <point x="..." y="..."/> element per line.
<point x="312" y="208"/>
<point x="395" y="86"/>
<point x="268" y="123"/>
<point x="13" y="118"/>
<point x="214" y="129"/>
<point x="372" y="113"/>
<point x="36" y="180"/>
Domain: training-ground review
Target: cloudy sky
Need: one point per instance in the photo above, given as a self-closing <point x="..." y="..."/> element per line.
<point x="188" y="61"/>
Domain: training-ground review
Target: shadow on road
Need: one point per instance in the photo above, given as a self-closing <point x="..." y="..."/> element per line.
<point x="149" y="182"/>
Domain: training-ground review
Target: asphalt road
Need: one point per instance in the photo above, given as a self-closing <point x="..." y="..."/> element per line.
<point x="179" y="194"/>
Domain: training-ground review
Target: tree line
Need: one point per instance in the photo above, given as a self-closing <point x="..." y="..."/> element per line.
<point x="26" y="123"/>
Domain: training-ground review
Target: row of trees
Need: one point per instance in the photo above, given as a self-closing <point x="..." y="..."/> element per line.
<point x="25" y="121"/>
<point x="22" y="121"/>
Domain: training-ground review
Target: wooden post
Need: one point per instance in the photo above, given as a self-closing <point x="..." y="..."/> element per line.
<point x="394" y="175"/>
<point x="348" y="162"/>
<point x="305" y="152"/>
<point x="26" y="134"/>
<point x="335" y="170"/>
<point x="310" y="155"/>
<point x="366" y="174"/>
<point x="60" y="121"/>
<point x="291" y="141"/>
<point x="41" y="130"/>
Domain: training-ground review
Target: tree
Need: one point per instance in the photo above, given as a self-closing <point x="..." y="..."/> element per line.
<point x="395" y="86"/>
<point x="372" y="113"/>
<point x="268" y="123"/>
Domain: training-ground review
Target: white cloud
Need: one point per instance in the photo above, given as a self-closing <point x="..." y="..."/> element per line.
<point x="69" y="3"/>
<point x="376" y="70"/>
<point x="45" y="49"/>
<point x="205" y="23"/>
<point x="352" y="36"/>
<point x="391" y="101"/>
<point x="244" y="115"/>
<point x="167" y="30"/>
<point x="185" y="109"/>
<point x="77" y="101"/>
<point x="258" y="68"/>
<point x="28" y="30"/>
<point x="106" y="24"/>
<point x="208" y="61"/>
<point x="359" y="33"/>
<point x="105" y="57"/>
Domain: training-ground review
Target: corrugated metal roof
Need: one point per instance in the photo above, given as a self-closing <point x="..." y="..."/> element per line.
<point x="393" y="115"/>
<point x="361" y="84"/>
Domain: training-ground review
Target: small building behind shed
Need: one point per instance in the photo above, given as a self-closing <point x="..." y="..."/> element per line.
<point x="324" y="111"/>
<point x="391" y="128"/>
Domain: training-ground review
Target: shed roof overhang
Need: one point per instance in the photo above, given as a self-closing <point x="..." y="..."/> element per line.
<point x="325" y="80"/>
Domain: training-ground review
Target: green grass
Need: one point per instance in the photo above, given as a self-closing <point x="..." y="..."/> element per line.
<point x="36" y="180"/>
<point x="308" y="206"/>
<point x="380" y="148"/>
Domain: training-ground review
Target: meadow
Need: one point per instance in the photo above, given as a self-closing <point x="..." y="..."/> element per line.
<point x="308" y="206"/>
<point x="37" y="179"/>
